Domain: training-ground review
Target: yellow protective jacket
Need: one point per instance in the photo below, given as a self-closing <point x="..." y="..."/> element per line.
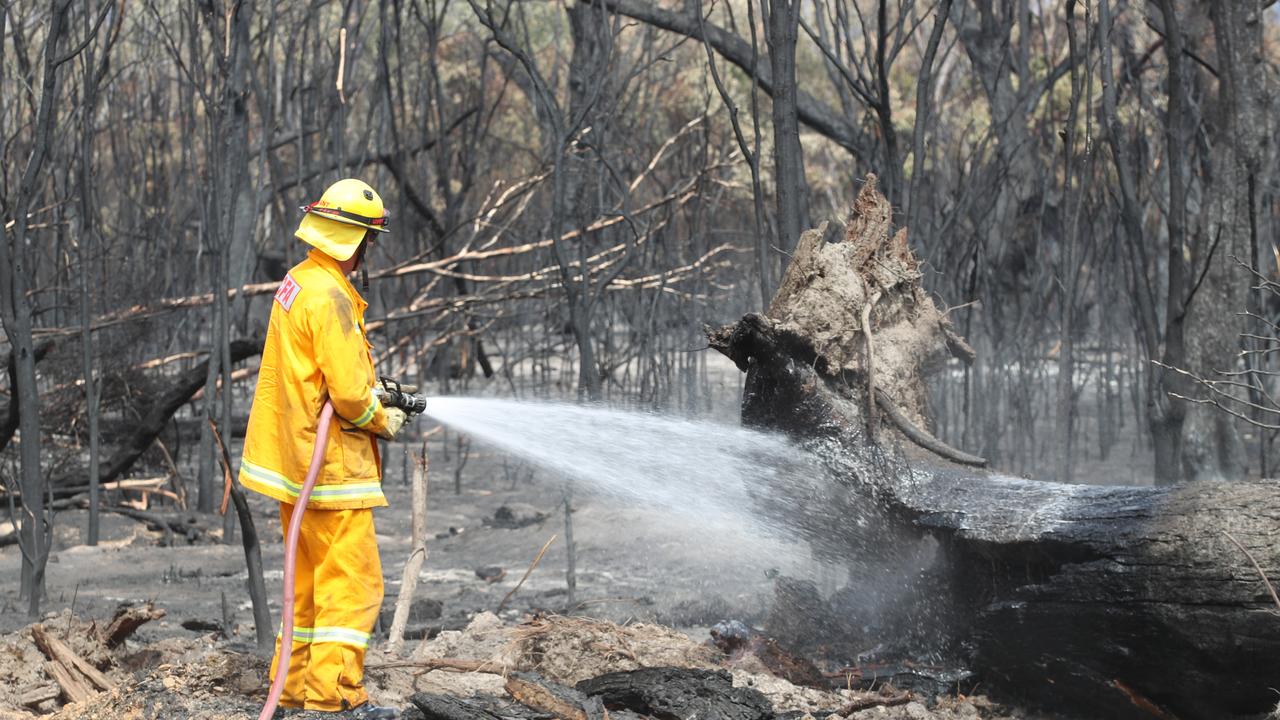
<point x="316" y="349"/>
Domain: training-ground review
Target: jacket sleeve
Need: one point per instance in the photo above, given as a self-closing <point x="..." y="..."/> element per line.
<point x="343" y="359"/>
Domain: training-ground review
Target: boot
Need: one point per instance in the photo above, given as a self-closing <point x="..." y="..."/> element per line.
<point x="369" y="711"/>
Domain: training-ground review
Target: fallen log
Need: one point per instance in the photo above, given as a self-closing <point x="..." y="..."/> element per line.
<point x="1109" y="600"/>
<point x="143" y="434"/>
<point x="882" y="699"/>
<point x="186" y="525"/>
<point x="157" y="416"/>
<point x="57" y="651"/>
<point x="447" y="664"/>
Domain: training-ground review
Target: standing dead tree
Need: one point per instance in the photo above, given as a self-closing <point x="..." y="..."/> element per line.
<point x="16" y="263"/>
<point x="1112" y="600"/>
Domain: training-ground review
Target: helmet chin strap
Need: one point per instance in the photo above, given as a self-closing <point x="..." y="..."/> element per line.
<point x="364" y="272"/>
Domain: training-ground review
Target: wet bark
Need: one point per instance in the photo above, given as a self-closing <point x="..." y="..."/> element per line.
<point x="1091" y="597"/>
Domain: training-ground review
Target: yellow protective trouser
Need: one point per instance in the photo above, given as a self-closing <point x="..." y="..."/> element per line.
<point x="337" y="596"/>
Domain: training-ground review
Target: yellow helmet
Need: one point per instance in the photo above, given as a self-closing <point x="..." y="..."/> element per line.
<point x="337" y="222"/>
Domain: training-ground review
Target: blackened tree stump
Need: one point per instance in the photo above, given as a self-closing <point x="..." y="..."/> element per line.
<point x="1106" y="599"/>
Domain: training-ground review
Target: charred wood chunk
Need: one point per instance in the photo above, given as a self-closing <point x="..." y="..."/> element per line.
<point x="535" y="691"/>
<point x="128" y="619"/>
<point x="447" y="707"/>
<point x="513" y="516"/>
<point x="670" y="693"/>
<point x="742" y="644"/>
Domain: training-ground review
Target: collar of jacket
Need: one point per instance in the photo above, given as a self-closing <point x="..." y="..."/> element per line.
<point x="331" y="266"/>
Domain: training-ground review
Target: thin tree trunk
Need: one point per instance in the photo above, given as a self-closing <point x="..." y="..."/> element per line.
<point x="924" y="107"/>
<point x="1066" y="401"/>
<point x="15" y="311"/>
<point x="792" y="189"/>
<point x="571" y="552"/>
<point x="764" y="265"/>
<point x="1167" y="413"/>
<point x="1240" y="132"/>
<point x="892" y="169"/>
<point x="92" y="390"/>
<point x="417" y="553"/>
<point x="264" y="631"/>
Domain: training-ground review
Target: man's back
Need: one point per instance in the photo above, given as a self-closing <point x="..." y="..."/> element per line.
<point x="315" y="350"/>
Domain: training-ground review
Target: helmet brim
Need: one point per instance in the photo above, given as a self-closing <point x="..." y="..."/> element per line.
<point x="336" y="215"/>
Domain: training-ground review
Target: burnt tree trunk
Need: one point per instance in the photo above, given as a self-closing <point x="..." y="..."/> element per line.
<point x="1109" y="600"/>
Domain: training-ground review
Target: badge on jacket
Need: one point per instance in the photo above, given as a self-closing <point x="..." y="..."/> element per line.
<point x="288" y="290"/>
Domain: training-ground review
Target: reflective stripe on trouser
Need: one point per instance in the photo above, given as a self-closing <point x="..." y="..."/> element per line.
<point x="337" y="595"/>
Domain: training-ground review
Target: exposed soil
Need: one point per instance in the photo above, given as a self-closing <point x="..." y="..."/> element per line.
<point x="199" y="679"/>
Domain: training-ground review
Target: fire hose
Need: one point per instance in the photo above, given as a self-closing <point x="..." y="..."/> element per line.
<point x="391" y="394"/>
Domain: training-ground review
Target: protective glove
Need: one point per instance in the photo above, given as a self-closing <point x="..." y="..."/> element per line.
<point x="395" y="421"/>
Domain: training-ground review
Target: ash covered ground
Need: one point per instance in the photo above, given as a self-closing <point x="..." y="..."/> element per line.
<point x="650" y="584"/>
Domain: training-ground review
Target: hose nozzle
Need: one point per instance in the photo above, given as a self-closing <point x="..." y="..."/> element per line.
<point x="406" y="397"/>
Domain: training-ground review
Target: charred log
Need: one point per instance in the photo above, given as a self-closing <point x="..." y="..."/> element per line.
<point x="447" y="707"/>
<point x="1111" y="600"/>
<point x="153" y="422"/>
<point x="668" y="692"/>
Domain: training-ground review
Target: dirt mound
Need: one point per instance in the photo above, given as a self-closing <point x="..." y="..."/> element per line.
<point x="563" y="649"/>
<point x="214" y="685"/>
<point x="568" y="650"/>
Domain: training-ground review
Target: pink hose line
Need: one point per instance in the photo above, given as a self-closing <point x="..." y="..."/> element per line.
<point x="291" y="563"/>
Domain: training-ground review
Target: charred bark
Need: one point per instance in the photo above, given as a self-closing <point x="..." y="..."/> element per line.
<point x="9" y="425"/>
<point x="1094" y="597"/>
<point x="669" y="692"/>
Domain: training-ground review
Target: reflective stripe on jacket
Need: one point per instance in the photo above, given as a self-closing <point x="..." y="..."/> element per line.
<point x="316" y="349"/>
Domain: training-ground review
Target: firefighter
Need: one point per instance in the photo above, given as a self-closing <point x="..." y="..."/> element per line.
<point x="316" y="350"/>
